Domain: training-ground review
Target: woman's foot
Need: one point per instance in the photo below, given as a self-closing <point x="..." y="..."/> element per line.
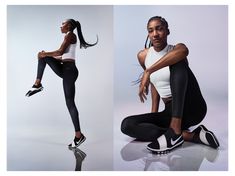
<point x="35" y="89"/>
<point x="166" y="142"/>
<point x="203" y="136"/>
<point x="77" y="141"/>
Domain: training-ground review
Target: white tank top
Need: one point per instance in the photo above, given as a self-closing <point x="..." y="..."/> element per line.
<point x="70" y="52"/>
<point x="160" y="78"/>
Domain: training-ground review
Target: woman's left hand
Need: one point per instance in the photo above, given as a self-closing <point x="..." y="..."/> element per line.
<point x="144" y="84"/>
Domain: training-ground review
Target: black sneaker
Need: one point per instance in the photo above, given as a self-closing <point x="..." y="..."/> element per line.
<point x="166" y="142"/>
<point x="204" y="136"/>
<point x="35" y="89"/>
<point x="77" y="141"/>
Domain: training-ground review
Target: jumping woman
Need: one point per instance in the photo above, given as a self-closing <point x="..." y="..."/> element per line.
<point x="167" y="71"/>
<point x="62" y="62"/>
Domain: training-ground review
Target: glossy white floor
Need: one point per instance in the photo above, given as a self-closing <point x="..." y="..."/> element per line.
<point x="132" y="155"/>
<point x="48" y="151"/>
<point x="29" y="149"/>
<point x="39" y="129"/>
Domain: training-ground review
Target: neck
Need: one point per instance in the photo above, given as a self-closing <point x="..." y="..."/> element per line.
<point x="69" y="32"/>
<point x="160" y="48"/>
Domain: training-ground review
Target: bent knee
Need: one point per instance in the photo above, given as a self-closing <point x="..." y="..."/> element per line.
<point x="179" y="67"/>
<point x="127" y="125"/>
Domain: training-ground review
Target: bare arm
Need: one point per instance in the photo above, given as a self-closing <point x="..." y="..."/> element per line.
<point x="67" y="41"/>
<point x="154" y="94"/>
<point x="141" y="57"/>
<point x="179" y="53"/>
<point x="144" y="89"/>
<point x="155" y="99"/>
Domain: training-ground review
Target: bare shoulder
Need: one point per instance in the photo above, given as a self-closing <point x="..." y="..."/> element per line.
<point x="182" y="48"/>
<point x="141" y="56"/>
<point x="180" y="45"/>
<point x="70" y="37"/>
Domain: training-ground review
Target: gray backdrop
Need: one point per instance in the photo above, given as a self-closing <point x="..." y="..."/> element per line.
<point x="204" y="29"/>
<point x="44" y="116"/>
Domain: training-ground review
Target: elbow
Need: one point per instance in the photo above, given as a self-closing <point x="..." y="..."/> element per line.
<point x="184" y="50"/>
<point x="59" y="52"/>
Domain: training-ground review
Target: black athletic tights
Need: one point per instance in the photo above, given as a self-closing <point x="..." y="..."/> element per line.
<point x="187" y="103"/>
<point x="69" y="73"/>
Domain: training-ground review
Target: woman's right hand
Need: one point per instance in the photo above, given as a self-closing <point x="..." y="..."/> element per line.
<point x="143" y="87"/>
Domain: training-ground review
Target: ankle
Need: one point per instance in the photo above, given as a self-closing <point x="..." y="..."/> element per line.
<point x="176" y="125"/>
<point x="78" y="134"/>
<point x="37" y="82"/>
<point x="176" y="129"/>
<point x="188" y="136"/>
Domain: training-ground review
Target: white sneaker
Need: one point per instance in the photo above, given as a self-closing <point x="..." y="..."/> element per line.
<point x="77" y="141"/>
<point x="35" y="89"/>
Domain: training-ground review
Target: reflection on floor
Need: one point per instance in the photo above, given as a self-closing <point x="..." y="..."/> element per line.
<point x="189" y="157"/>
<point x="131" y="155"/>
<point x="49" y="152"/>
<point x="31" y="149"/>
<point x="79" y="157"/>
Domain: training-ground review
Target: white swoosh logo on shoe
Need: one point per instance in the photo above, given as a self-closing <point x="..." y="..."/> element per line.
<point x="174" y="141"/>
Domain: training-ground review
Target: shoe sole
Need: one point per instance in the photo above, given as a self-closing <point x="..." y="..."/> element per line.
<point x="164" y="151"/>
<point x="30" y="93"/>
<point x="212" y="140"/>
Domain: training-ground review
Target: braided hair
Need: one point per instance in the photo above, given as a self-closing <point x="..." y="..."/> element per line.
<point x="163" y="22"/>
<point x="76" y="24"/>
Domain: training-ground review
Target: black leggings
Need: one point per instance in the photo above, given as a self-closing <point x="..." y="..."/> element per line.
<point x="187" y="103"/>
<point x="69" y="73"/>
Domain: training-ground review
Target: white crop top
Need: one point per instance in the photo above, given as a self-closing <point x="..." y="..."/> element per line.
<point x="161" y="78"/>
<point x="70" y="52"/>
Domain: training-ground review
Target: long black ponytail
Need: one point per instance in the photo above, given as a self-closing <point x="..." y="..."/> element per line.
<point x="83" y="43"/>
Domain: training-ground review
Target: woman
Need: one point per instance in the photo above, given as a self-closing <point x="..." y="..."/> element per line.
<point x="62" y="62"/>
<point x="166" y="70"/>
